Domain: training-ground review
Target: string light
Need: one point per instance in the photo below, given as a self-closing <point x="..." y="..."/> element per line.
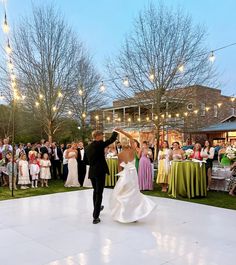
<point x="36" y="104"/>
<point x="212" y="57"/>
<point x="177" y="115"/>
<point x="83" y="115"/>
<point x="97" y="117"/>
<point x="5" y="26"/>
<point x="219" y="105"/>
<point x="156" y="117"/>
<point x="138" y="119"/>
<point x="23" y="97"/>
<point x="207" y="108"/>
<point x="13" y="77"/>
<point x="129" y="119"/>
<point x="126" y="81"/>
<point x="195" y="111"/>
<point x="181" y="68"/>
<point x="8" y="48"/>
<point x="169" y="116"/>
<point x="80" y="92"/>
<point x="69" y="112"/>
<point x="40" y="96"/>
<point x="147" y="118"/>
<point x="54" y="108"/>
<point x="60" y="95"/>
<point x="232" y="99"/>
<point x="10" y="65"/>
<point x="108" y="118"/>
<point x="152" y="76"/>
<point x="102" y="87"/>
<point x="185" y="114"/>
<point x="119" y="119"/>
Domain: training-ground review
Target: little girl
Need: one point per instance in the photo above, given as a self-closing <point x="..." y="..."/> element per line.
<point x="34" y="172"/>
<point x="45" y="174"/>
<point x="12" y="183"/>
<point x="23" y="179"/>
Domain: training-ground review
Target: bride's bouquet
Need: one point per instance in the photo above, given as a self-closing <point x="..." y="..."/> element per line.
<point x="231" y="153"/>
<point x="188" y="153"/>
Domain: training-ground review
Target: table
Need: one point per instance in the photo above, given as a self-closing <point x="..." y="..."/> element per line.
<point x="113" y="169"/>
<point x="188" y="179"/>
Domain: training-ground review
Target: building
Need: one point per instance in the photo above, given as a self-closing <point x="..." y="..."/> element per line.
<point x="182" y="113"/>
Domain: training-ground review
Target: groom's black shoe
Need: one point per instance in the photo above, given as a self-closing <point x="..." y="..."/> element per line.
<point x="102" y="207"/>
<point x="96" y="221"/>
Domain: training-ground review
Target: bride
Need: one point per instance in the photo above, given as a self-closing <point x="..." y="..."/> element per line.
<point x="127" y="203"/>
<point x="72" y="178"/>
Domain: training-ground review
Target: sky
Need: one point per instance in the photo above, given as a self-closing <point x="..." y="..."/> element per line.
<point x="103" y="24"/>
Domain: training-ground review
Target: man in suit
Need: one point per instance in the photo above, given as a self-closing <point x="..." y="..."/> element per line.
<point x="98" y="168"/>
<point x="56" y="160"/>
<point x="81" y="163"/>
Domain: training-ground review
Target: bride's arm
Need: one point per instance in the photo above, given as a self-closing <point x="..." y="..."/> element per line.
<point x="119" y="162"/>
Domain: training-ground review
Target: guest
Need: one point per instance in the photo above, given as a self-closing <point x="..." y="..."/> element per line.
<point x="145" y="168"/>
<point x="197" y="152"/>
<point x="12" y="181"/>
<point x="23" y="178"/>
<point x="136" y="147"/>
<point x="32" y="155"/>
<point x="72" y="178"/>
<point x="65" y="163"/>
<point x="163" y="166"/>
<point x="45" y="173"/>
<point x="222" y="157"/>
<point x="56" y="160"/>
<point x="232" y="183"/>
<point x="118" y="147"/>
<point x="208" y="153"/>
<point x="81" y="163"/>
<point x="111" y="151"/>
<point x="62" y="147"/>
<point x="44" y="147"/>
<point x="19" y="150"/>
<point x="28" y="149"/>
<point x="34" y="173"/>
<point x="177" y="153"/>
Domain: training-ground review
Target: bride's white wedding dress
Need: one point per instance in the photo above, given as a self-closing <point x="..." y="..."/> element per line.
<point x="127" y="203"/>
<point x="72" y="178"/>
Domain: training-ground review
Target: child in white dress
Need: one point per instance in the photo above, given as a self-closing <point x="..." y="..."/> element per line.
<point x="34" y="173"/>
<point x="45" y="173"/>
<point x="24" y="178"/>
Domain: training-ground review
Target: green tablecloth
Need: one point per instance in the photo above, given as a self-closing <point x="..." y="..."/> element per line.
<point x="187" y="179"/>
<point x="113" y="169"/>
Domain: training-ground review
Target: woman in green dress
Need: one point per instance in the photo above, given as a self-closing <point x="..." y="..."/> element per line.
<point x="137" y="153"/>
<point x="222" y="157"/>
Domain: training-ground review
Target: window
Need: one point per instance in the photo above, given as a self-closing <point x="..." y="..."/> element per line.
<point x="203" y="109"/>
<point x="232" y="111"/>
<point x="215" y="111"/>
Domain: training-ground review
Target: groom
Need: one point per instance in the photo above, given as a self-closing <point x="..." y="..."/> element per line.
<point x="98" y="169"/>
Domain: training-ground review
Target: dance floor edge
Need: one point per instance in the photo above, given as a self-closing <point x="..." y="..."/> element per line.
<point x="57" y="230"/>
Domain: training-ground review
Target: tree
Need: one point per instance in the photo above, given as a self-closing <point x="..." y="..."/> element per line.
<point x="46" y="55"/>
<point x="164" y="52"/>
<point x="86" y="95"/>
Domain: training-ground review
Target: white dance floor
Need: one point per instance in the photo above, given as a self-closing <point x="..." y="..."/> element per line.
<point x="57" y="230"/>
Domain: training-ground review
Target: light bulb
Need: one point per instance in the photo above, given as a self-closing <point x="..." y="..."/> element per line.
<point x="8" y="48"/>
<point x="147" y="119"/>
<point x="54" y="108"/>
<point x="97" y="117"/>
<point x="80" y="92"/>
<point x="219" y="105"/>
<point x="138" y="119"/>
<point x="10" y="65"/>
<point x="84" y="115"/>
<point x="40" y="96"/>
<point x="60" y="95"/>
<point x="186" y="114"/>
<point x="129" y="119"/>
<point x="177" y="115"/>
<point x="36" y="104"/>
<point x="126" y="81"/>
<point x="69" y="112"/>
<point x="102" y="87"/>
<point x="181" y="68"/>
<point x="5" y="26"/>
<point x="212" y="57"/>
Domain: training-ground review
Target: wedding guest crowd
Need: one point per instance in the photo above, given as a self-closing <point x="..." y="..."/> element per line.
<point x="40" y="162"/>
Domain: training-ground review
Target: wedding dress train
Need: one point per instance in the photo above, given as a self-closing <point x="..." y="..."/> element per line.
<point x="127" y="203"/>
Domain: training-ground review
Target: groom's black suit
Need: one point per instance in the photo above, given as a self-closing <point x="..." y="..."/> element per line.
<point x="98" y="170"/>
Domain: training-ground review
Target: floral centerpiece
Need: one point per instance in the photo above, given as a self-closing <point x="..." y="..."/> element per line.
<point x="231" y="153"/>
<point x="188" y="153"/>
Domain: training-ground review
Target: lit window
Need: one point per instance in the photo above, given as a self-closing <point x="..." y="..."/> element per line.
<point x="203" y="109"/>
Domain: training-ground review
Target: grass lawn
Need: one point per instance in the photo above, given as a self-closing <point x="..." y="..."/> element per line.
<point x="214" y="198"/>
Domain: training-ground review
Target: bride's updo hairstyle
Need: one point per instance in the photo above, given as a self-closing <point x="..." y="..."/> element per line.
<point x="124" y="142"/>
